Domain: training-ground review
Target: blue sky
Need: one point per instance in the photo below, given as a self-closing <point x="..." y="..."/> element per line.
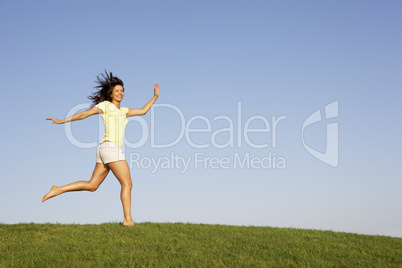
<point x="273" y="59"/>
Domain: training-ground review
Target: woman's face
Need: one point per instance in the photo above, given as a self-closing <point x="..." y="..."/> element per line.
<point x="117" y="93"/>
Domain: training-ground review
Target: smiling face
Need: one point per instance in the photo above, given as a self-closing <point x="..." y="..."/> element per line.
<point x="117" y="93"/>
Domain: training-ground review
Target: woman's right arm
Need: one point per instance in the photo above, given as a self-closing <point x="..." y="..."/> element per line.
<point x="78" y="116"/>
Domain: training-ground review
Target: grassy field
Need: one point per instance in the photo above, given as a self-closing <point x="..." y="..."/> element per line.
<point x="190" y="245"/>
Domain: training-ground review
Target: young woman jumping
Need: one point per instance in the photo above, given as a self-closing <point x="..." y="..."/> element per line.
<point x="109" y="155"/>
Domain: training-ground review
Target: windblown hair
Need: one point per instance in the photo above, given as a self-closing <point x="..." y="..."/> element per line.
<point x="106" y="82"/>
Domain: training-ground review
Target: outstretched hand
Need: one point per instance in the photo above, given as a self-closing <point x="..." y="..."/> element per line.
<point x="55" y="121"/>
<point x="156" y="90"/>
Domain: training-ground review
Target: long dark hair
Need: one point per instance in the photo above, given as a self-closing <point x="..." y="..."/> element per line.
<point x="106" y="82"/>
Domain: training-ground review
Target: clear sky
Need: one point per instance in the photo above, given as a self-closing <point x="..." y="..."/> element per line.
<point x="287" y="113"/>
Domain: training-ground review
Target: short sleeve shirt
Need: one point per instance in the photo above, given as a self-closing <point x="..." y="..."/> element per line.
<point x="115" y="122"/>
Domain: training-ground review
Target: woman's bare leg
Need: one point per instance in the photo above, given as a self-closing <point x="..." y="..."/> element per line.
<point x="122" y="172"/>
<point x="98" y="176"/>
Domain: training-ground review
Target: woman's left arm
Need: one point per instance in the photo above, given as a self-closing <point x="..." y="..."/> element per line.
<point x="146" y="107"/>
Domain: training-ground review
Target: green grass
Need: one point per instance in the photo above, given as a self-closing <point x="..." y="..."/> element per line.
<point x="190" y="245"/>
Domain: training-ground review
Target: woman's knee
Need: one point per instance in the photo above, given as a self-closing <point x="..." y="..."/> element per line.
<point x="127" y="184"/>
<point x="92" y="187"/>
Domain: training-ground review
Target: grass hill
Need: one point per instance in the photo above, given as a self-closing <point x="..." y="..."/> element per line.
<point x="190" y="245"/>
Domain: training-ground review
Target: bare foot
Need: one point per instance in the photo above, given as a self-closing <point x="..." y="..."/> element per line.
<point x="52" y="193"/>
<point x="128" y="223"/>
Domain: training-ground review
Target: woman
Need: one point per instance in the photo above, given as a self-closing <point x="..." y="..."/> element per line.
<point x="109" y="156"/>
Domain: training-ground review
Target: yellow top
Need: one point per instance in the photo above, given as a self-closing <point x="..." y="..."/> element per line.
<point x="115" y="122"/>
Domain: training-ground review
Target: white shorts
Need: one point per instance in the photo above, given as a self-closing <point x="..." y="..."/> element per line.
<point x="109" y="152"/>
